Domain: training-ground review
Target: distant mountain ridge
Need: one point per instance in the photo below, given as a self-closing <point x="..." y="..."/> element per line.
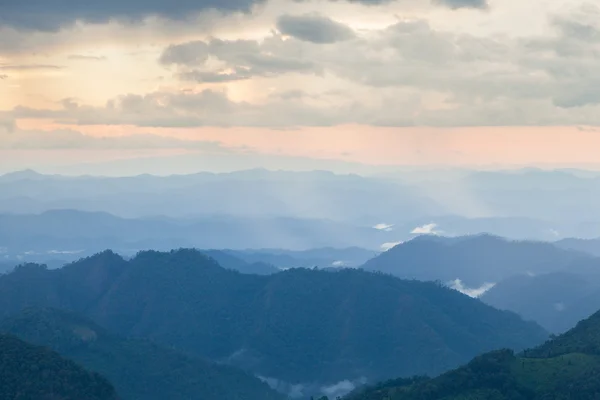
<point x="296" y="326"/>
<point x="475" y="260"/>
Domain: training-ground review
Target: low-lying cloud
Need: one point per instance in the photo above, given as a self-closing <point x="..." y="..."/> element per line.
<point x="384" y="227"/>
<point x="427" y="229"/>
<point x="458" y="285"/>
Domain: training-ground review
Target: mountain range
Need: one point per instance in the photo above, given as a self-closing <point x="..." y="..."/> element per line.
<point x="301" y="328"/>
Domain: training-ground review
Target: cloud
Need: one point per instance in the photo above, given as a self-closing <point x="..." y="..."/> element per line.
<point x="52" y="15"/>
<point x="184" y="109"/>
<point x="427" y="229"/>
<point x="389" y="245"/>
<point x="2" y="77"/>
<point x="69" y="139"/>
<point x="384" y="227"/>
<point x="471" y="292"/>
<point x="407" y="74"/>
<point x="81" y="57"/>
<point x="26" y="67"/>
<point x="457" y="4"/>
<point x="236" y="59"/>
<point x="314" y="28"/>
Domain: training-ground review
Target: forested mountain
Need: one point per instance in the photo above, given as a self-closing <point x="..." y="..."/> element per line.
<point x="232" y="260"/>
<point x="139" y="370"/>
<point x="549" y="299"/>
<point x="555" y="300"/>
<point x="475" y="260"/>
<point x="295" y="326"/>
<point x="29" y="372"/>
<point x="565" y="368"/>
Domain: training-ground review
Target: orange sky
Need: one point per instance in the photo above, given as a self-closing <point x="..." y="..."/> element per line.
<point x="392" y="146"/>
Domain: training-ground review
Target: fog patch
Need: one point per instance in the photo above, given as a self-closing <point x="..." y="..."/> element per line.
<point x="560" y="307"/>
<point x="427" y="229"/>
<point x="458" y="285"/>
<point x="305" y="390"/>
<point x="65" y="251"/>
<point x="341" y="388"/>
<point x="339" y="263"/>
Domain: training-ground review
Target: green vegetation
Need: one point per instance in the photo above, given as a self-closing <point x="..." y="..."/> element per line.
<point x="297" y="326"/>
<point x="565" y="368"/>
<point x="30" y="372"/>
<point x="138" y="369"/>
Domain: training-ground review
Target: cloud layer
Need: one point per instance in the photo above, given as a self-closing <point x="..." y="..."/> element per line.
<point x="52" y="15"/>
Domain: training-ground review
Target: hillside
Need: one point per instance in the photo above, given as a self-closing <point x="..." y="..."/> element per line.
<point x="29" y="372"/>
<point x="475" y="260"/>
<point x="138" y="369"/>
<point x="565" y="368"/>
<point x="552" y="300"/>
<point x="296" y="326"/>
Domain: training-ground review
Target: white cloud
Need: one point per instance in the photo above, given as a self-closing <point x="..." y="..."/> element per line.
<point x="338" y="263"/>
<point x="384" y="227"/>
<point x="458" y="285"/>
<point x="389" y="245"/>
<point x="560" y="307"/>
<point x="427" y="229"/>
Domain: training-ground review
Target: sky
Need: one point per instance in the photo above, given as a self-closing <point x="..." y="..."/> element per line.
<point x="282" y="83"/>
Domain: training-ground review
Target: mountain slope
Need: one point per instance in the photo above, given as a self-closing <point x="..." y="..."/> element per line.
<point x="297" y="326"/>
<point x="475" y="260"/>
<point x="30" y="372"/>
<point x="138" y="369"/>
<point x="565" y="368"/>
<point x="549" y="299"/>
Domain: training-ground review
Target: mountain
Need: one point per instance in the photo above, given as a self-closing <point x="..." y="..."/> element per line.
<point x="565" y="368"/>
<point x="556" y="300"/>
<point x="6" y="266"/>
<point x="299" y="326"/>
<point x="30" y="372"/>
<point x="590" y="246"/>
<point x="138" y="369"/>
<point x="549" y="299"/>
<point x="228" y="260"/>
<point x="475" y="260"/>
<point x="320" y="257"/>
<point x="243" y="194"/>
<point x="72" y="234"/>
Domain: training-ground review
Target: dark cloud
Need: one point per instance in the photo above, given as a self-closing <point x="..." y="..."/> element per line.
<point x="457" y="4"/>
<point x="2" y="77"/>
<point x="52" y="15"/>
<point x="314" y="28"/>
